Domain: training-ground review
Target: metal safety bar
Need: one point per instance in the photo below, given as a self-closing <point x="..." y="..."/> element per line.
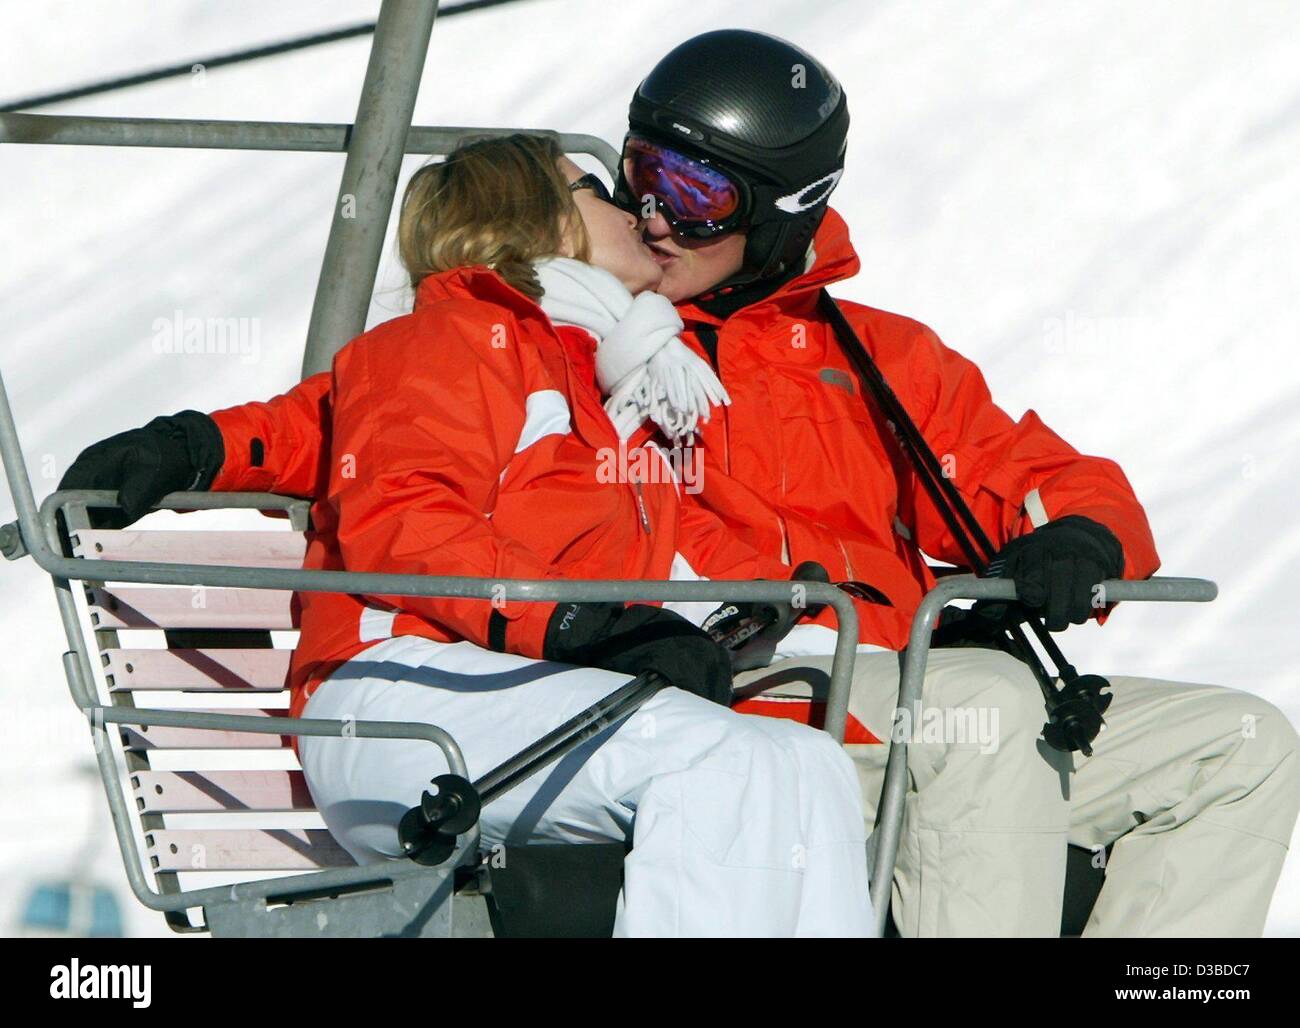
<point x="36" y="533"/>
<point x="365" y="198"/>
<point x="100" y="716"/>
<point x="38" y="537"/>
<point x="77" y="668"/>
<point x="889" y="817"/>
<point x="283" y="136"/>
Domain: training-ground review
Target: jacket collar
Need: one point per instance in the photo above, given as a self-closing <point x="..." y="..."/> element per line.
<point x="479" y="282"/>
<point x="834" y="260"/>
<point x="475" y="282"/>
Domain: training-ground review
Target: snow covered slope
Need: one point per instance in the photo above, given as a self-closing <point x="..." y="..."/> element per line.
<point x="1098" y="203"/>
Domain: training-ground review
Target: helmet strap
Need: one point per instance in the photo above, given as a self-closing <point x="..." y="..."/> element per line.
<point x="744" y="289"/>
<point x="775" y="248"/>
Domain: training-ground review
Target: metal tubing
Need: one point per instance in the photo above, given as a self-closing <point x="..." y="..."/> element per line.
<point x="386" y="584"/>
<point x="20" y="483"/>
<point x="889" y="817"/>
<point x="382" y="584"/>
<point x="837" y="702"/>
<point x="100" y="716"/>
<point x="271" y="136"/>
<point x="365" y="200"/>
<point x="289" y="726"/>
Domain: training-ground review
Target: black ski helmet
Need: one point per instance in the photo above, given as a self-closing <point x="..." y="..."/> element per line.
<point x="767" y="113"/>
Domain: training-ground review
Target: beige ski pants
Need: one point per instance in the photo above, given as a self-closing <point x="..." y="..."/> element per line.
<point x="1196" y="787"/>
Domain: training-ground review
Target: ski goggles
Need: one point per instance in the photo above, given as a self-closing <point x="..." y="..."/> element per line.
<point x="697" y="199"/>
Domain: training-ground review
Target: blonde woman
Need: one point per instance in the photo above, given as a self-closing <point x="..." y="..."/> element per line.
<point x="473" y="437"/>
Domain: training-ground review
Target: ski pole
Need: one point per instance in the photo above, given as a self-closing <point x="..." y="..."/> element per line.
<point x="966" y="530"/>
<point x="556" y="743"/>
<point x="427" y="832"/>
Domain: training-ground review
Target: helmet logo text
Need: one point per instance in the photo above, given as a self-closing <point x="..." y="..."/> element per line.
<point x="798" y="201"/>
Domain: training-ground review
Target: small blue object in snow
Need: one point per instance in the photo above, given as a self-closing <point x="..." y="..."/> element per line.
<point x="72" y="908"/>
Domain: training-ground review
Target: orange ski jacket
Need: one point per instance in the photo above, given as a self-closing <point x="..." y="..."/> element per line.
<point x="467" y="438"/>
<point x="809" y="471"/>
<point x="799" y="467"/>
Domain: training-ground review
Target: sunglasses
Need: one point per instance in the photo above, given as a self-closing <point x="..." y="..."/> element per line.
<point x="696" y="198"/>
<point x="591" y="181"/>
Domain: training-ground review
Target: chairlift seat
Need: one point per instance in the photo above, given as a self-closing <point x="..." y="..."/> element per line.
<point x="528" y="891"/>
<point x="209" y="665"/>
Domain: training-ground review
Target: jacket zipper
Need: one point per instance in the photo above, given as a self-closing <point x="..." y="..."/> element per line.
<point x="713" y="334"/>
<point x="640" y="505"/>
<point x="726" y="440"/>
<point x="848" y="564"/>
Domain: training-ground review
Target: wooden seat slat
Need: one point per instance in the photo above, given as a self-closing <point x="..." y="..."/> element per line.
<point x="256" y="549"/>
<point x="207" y="669"/>
<point x="228" y="849"/>
<point x="196" y="607"/>
<point x="163" y="737"/>
<point x="192" y="792"/>
<point x="197" y="670"/>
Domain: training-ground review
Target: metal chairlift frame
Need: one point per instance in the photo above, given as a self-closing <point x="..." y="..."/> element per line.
<point x="374" y="146"/>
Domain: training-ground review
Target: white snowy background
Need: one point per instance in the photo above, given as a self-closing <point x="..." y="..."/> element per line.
<point x="1099" y="203"/>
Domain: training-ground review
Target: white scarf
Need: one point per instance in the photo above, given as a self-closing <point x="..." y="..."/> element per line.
<point x="642" y="367"/>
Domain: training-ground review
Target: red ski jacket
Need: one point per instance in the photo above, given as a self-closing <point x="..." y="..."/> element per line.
<point x="467" y="438"/>
<point x="799" y="467"/>
<point x="809" y="471"/>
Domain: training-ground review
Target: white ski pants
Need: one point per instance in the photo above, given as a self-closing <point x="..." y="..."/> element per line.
<point x="1196" y="787"/>
<point x="740" y="825"/>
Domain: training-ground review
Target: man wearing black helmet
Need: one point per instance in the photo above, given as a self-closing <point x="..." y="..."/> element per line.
<point x="736" y="140"/>
<point x="740" y="179"/>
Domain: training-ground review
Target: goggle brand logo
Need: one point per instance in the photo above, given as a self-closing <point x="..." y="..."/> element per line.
<point x="798" y="201"/>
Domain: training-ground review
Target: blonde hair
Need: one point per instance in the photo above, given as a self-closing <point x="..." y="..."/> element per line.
<point x="502" y="202"/>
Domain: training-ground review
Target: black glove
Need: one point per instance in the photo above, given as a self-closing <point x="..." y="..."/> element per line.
<point x="1056" y="566"/>
<point x="983" y="626"/>
<point x="637" y="639"/>
<point x="750" y="631"/>
<point x="171" y="454"/>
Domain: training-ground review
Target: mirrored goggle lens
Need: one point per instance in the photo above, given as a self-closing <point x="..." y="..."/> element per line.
<point x="690" y="190"/>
